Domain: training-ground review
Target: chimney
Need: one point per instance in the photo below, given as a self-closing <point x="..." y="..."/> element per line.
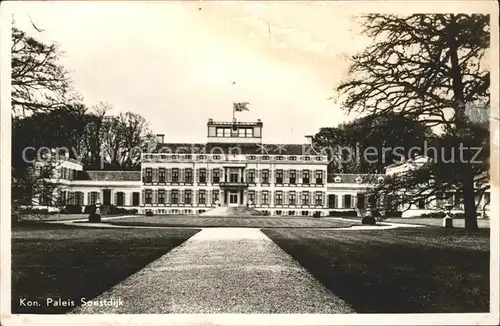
<point x="309" y="140"/>
<point x="160" y="138"/>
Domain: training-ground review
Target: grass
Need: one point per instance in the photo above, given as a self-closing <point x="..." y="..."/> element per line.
<point x="244" y="222"/>
<point x="458" y="223"/>
<point x="428" y="270"/>
<point x="67" y="262"/>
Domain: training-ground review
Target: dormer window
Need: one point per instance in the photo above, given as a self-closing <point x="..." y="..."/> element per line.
<point x="279" y="158"/>
<point x="201" y="157"/>
<point x="337" y="179"/>
<point x="216" y="157"/>
<point x="188" y="157"/>
<point x="318" y="158"/>
<point x="265" y="157"/>
<point x="292" y="158"/>
<point x="306" y="158"/>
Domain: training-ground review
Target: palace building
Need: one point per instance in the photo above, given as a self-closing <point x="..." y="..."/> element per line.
<point x="233" y="168"/>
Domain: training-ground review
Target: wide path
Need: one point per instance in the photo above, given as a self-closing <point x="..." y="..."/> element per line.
<point x="222" y="270"/>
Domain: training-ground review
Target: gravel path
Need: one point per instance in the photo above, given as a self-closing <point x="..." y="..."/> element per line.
<point x="222" y="270"/>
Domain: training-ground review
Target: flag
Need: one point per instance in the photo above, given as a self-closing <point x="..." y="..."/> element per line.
<point x="241" y="106"/>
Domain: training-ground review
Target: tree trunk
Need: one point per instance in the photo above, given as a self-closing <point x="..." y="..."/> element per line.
<point x="469" y="200"/>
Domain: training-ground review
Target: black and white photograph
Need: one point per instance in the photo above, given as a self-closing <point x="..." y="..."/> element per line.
<point x="249" y="162"/>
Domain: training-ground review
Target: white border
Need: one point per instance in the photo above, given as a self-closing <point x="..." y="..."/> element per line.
<point x="491" y="318"/>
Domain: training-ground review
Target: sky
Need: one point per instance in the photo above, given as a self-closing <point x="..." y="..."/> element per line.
<point x="175" y="63"/>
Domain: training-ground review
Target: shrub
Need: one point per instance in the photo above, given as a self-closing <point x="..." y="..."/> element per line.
<point x="94" y="218"/>
<point x="118" y="210"/>
<point x="343" y="213"/>
<point x="317" y="214"/>
<point x="434" y="215"/>
<point x="149" y="213"/>
<point x="132" y="211"/>
<point x="72" y="209"/>
<point x="393" y="214"/>
<point x="368" y="220"/>
<point x="90" y="209"/>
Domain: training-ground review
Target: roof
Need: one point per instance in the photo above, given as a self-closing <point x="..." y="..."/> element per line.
<point x="351" y="178"/>
<point x="109" y="175"/>
<point x="237" y="148"/>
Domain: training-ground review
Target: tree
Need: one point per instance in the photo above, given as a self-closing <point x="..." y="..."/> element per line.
<point x="39" y="82"/>
<point x="136" y="133"/>
<point x="427" y="67"/>
<point x="370" y="143"/>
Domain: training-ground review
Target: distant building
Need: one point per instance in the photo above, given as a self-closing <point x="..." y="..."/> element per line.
<point x="234" y="167"/>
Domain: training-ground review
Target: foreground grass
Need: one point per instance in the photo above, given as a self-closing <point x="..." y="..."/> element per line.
<point x="248" y="222"/>
<point x="457" y="222"/>
<point x="429" y="270"/>
<point x="56" y="261"/>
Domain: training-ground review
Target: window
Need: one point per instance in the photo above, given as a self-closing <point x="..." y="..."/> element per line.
<point x="293" y="177"/>
<point x="201" y="157"/>
<point x="318" y="199"/>
<point x="305" y="213"/>
<point x="305" y="176"/>
<point x="234" y="175"/>
<point x="292" y="158"/>
<point x="291" y="213"/>
<point x="279" y="158"/>
<point x="279" y="198"/>
<point x="265" y="158"/>
<point x="291" y="198"/>
<point x="175" y="175"/>
<point x="215" y="196"/>
<point x="227" y="132"/>
<point x="265" y="176"/>
<point x="265" y="198"/>
<point x="120" y="199"/>
<point x="421" y="203"/>
<point x="149" y="175"/>
<point x="161" y="196"/>
<point x="305" y="198"/>
<point x="360" y="201"/>
<point x="220" y="132"/>
<point x="241" y="132"/>
<point x="202" y="197"/>
<point x="251" y="196"/>
<point x="188" y="157"/>
<point x="215" y="176"/>
<point x="319" y="158"/>
<point x="251" y="157"/>
<point x="332" y="201"/>
<point x="306" y="158"/>
<point x="249" y="132"/>
<point x="216" y="157"/>
<point x="251" y="176"/>
<point x="135" y="198"/>
<point x="188" y="176"/>
<point x="278" y="212"/>
<point x="94" y="196"/>
<point x="203" y="176"/>
<point x="188" y="197"/>
<point x="175" y="197"/>
<point x="149" y="196"/>
<point x="279" y="176"/>
<point x="347" y="201"/>
<point x="161" y="175"/>
<point x="319" y="177"/>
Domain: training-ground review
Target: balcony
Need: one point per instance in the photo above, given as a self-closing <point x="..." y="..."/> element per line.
<point x="233" y="184"/>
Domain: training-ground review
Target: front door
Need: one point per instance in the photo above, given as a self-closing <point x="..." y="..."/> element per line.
<point x="106" y="197"/>
<point x="233" y="198"/>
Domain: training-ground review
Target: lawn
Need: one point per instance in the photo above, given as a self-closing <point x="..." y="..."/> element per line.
<point x="457" y="222"/>
<point x="244" y="222"/>
<point x="57" y="261"/>
<point x="428" y="270"/>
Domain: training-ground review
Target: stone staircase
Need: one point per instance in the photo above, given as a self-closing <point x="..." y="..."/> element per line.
<point x="232" y="211"/>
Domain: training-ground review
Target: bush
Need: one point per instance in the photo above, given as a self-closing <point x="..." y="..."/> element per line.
<point x="118" y="210"/>
<point x="434" y="215"/>
<point x="368" y="220"/>
<point x="317" y="214"/>
<point x="132" y="211"/>
<point x="90" y="209"/>
<point x="72" y="209"/>
<point x="94" y="218"/>
<point x="393" y="214"/>
<point x="149" y="213"/>
<point x="343" y="213"/>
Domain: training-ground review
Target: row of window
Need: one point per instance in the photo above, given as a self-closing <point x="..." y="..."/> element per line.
<point x="67" y="173"/>
<point x="229" y="132"/>
<point x="220" y="157"/>
<point x="176" y="211"/>
<point x="177" y="175"/>
<point x="78" y="198"/>
<point x="204" y="197"/>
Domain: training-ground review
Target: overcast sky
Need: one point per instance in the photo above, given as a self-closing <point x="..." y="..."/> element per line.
<point x="174" y="63"/>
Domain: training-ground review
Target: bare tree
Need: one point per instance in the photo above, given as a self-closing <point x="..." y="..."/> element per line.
<point x="428" y="67"/>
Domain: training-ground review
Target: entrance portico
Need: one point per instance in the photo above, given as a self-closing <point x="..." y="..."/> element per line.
<point x="234" y="186"/>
